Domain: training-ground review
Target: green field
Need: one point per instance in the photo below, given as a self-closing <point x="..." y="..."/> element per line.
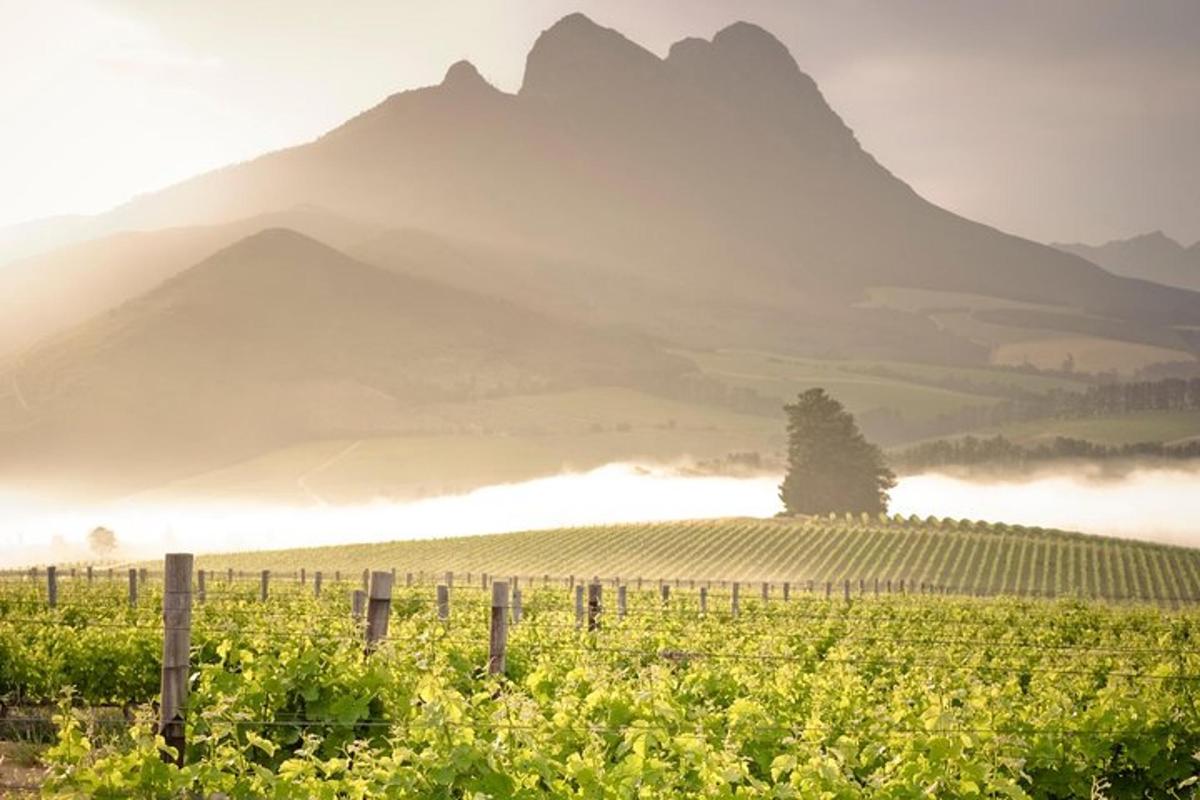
<point x="964" y="557"/>
<point x="1143" y="426"/>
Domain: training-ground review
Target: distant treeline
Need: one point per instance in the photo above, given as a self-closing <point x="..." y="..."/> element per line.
<point x="1001" y="451"/>
<point x="1167" y="394"/>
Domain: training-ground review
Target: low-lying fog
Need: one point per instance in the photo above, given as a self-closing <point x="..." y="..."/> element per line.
<point x="1160" y="504"/>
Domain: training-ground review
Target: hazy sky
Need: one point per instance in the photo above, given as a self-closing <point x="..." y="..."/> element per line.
<point x="1057" y="120"/>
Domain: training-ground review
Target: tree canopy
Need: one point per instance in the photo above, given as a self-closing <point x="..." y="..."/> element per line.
<point x="831" y="466"/>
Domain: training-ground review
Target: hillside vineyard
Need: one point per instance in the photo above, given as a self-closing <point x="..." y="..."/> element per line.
<point x="960" y="557"/>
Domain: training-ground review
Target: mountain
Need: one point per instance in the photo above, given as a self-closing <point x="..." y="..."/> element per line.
<point x="274" y="340"/>
<point x="717" y="179"/>
<point x="49" y="292"/>
<point x="1151" y="256"/>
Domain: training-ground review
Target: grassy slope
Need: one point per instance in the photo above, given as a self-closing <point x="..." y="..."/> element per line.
<point x="971" y="558"/>
<point x="460" y="446"/>
<point x="1145" y="426"/>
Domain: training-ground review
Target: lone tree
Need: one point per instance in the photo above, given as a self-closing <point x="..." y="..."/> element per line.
<point x="102" y="541"/>
<point x="831" y="467"/>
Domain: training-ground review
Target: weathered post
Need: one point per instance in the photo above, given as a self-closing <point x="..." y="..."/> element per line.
<point x="483" y="581"/>
<point x="733" y="600"/>
<point x="317" y="583"/>
<point x="303" y="576"/>
<point x="846" y="589"/>
<point x="358" y="599"/>
<point x="89" y="575"/>
<point x="52" y="585"/>
<point x="443" y="602"/>
<point x="449" y="579"/>
<point x="877" y="587"/>
<point x="703" y="599"/>
<point x="143" y="575"/>
<point x="665" y="593"/>
<point x="593" y="605"/>
<point x="828" y="589"/>
<point x="177" y="643"/>
<point x="622" y="599"/>
<point x="229" y="576"/>
<point x="498" y="638"/>
<point x="264" y="587"/>
<point x="787" y="591"/>
<point x="201" y="593"/>
<point x="337" y="576"/>
<point x="516" y="605"/>
<point x="579" y="606"/>
<point x="133" y="587"/>
<point x="379" y="606"/>
<point x="811" y="584"/>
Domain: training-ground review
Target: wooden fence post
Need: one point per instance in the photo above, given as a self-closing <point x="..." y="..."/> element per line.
<point x="378" y="607"/>
<point x="579" y="606"/>
<point x="229" y="576"/>
<point x="733" y="600"/>
<point x="516" y="605"/>
<point x="408" y="579"/>
<point x="303" y="576"/>
<point x="498" y="635"/>
<point x="200" y="588"/>
<point x="133" y="587"/>
<point x="358" y="599"/>
<point x="317" y="583"/>
<point x="811" y="585"/>
<point x="593" y="610"/>
<point x="264" y="588"/>
<point x="622" y="599"/>
<point x="703" y="599"/>
<point x="664" y="591"/>
<point x="877" y="587"/>
<point x="846" y="589"/>
<point x="143" y="575"/>
<point x="89" y="575"/>
<point x="337" y="576"/>
<point x="449" y="579"/>
<point x="177" y="643"/>
<point x="52" y="585"/>
<point x="443" y="601"/>
<point x="787" y="591"/>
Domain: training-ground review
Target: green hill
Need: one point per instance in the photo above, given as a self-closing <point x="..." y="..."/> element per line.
<point x="964" y="557"/>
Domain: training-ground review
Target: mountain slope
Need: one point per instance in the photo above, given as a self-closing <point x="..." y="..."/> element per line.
<point x="1151" y="256"/>
<point x="274" y="340"/>
<point x="52" y="291"/>
<point x="719" y="171"/>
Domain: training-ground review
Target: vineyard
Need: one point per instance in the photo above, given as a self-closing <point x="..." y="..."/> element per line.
<point x="968" y="558"/>
<point x="302" y="687"/>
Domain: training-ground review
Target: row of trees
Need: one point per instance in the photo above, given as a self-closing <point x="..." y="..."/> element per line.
<point x="1001" y="451"/>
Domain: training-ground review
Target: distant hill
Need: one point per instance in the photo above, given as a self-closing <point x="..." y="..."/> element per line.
<point x="274" y="340"/>
<point x="49" y="292"/>
<point x="1151" y="256"/>
<point x="718" y="177"/>
<point x="966" y="557"/>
